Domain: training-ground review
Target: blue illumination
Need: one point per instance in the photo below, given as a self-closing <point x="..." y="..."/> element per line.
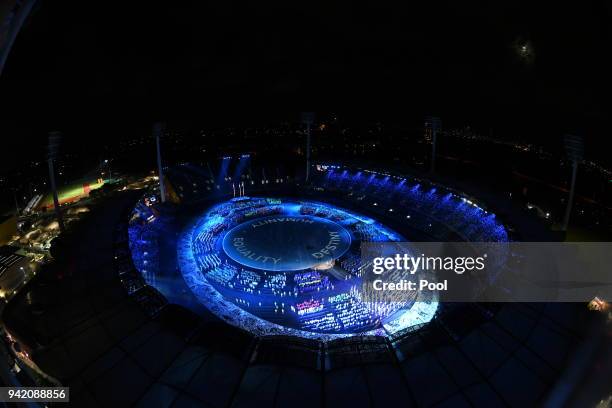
<point x="241" y="166"/>
<point x="448" y="209"/>
<point x="223" y="170"/>
<point x="286" y="243"/>
<point x="298" y="295"/>
<point x="301" y="297"/>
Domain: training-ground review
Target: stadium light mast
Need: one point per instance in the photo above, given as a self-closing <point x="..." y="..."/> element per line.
<point x="53" y="147"/>
<point x="158" y="129"/>
<point x="433" y="124"/>
<point x="212" y="175"/>
<point x="308" y="120"/>
<point x="574" y="148"/>
<point x="16" y="202"/>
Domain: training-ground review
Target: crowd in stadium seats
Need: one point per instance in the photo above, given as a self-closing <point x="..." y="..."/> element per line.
<point x="429" y="208"/>
<point x="193" y="183"/>
<point x="136" y="256"/>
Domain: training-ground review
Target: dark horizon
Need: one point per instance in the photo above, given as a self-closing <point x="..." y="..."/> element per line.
<point x="97" y="72"/>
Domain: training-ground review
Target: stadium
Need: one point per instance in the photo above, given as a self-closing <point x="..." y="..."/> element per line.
<point x="239" y="289"/>
<point x="212" y="282"/>
<point x="291" y="266"/>
<point x="175" y="231"/>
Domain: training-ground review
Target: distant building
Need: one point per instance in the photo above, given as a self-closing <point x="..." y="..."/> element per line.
<point x="13" y="268"/>
<point x="8" y="228"/>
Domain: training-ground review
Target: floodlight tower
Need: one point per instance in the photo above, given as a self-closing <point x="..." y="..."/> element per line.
<point x="308" y="120"/>
<point x="574" y="148"/>
<point x="432" y="125"/>
<point x="158" y="129"/>
<point x="53" y="147"/>
<point x="16" y="203"/>
<point x="212" y="174"/>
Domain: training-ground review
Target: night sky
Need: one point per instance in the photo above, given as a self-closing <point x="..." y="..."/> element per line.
<point x="106" y="69"/>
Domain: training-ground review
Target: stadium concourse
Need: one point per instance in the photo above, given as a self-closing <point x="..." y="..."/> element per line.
<point x="120" y="327"/>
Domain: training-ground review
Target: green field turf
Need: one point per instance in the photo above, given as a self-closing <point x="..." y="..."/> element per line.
<point x="69" y="193"/>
